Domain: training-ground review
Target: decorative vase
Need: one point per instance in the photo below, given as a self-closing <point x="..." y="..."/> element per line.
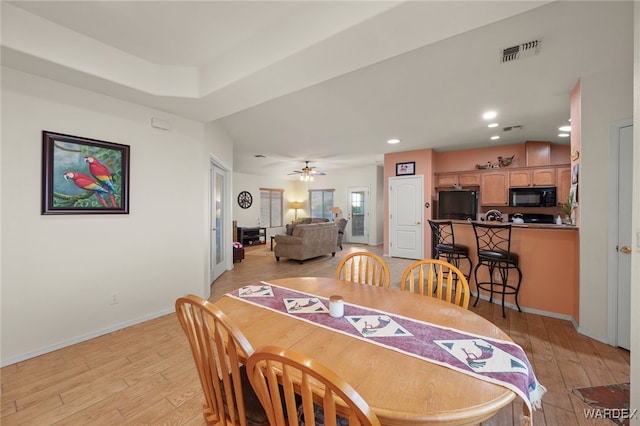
<point x="568" y="220"/>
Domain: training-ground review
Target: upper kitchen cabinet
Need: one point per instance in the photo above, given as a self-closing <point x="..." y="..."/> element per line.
<point x="494" y="188"/>
<point x="563" y="184"/>
<point x="449" y="180"/>
<point x="532" y="177"/>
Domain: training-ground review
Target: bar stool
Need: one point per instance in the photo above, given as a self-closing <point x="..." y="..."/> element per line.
<point x="494" y="252"/>
<point x="444" y="245"/>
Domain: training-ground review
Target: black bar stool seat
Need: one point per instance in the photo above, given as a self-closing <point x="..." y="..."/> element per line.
<point x="494" y="252"/>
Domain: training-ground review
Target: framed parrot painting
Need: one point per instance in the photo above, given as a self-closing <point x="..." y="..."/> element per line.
<point x="84" y="176"/>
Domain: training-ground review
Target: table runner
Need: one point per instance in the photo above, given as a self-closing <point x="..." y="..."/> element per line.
<point x="494" y="360"/>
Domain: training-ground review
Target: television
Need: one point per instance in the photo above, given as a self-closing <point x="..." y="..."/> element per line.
<point x="460" y="205"/>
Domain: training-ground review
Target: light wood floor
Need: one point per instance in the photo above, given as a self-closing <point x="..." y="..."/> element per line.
<point x="144" y="375"/>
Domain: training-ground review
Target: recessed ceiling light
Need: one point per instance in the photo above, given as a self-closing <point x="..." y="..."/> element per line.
<point x="493" y="125"/>
<point x="493" y="138"/>
<point x="563" y="135"/>
<point x="565" y="128"/>
<point x="489" y="115"/>
<point x="393" y="141"/>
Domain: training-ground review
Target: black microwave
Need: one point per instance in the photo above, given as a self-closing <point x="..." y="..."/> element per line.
<point x="532" y="197"/>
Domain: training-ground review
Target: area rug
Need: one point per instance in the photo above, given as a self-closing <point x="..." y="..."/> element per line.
<point x="607" y="402"/>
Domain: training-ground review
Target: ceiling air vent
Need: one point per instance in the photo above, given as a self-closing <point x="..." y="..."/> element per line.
<point x="519" y="51"/>
<point x="510" y="128"/>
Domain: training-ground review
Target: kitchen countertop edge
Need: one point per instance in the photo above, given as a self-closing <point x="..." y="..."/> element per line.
<point x="527" y="225"/>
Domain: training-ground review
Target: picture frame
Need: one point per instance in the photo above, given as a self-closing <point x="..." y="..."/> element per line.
<point x="405" y="169"/>
<point x="574" y="173"/>
<point x="83" y="176"/>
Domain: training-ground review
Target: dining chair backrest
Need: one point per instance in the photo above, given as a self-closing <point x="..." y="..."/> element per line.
<point x="365" y="268"/>
<point x="217" y="346"/>
<point x="436" y="278"/>
<point x="277" y="373"/>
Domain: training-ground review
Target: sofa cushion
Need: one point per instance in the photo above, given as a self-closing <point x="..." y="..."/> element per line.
<point x="290" y="229"/>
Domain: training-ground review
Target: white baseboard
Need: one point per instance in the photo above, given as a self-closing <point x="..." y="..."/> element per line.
<point x="85" y="337"/>
<point x="528" y="310"/>
<point x="584" y="332"/>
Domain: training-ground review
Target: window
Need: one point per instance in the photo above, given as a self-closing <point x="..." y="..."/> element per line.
<point x="271" y="207"/>
<point x="321" y="202"/>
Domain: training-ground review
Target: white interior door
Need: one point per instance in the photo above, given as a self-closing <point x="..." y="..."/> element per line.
<point x="625" y="180"/>
<point x="218" y="223"/>
<point x="358" y="215"/>
<point x="406" y="217"/>
<point x="620" y="234"/>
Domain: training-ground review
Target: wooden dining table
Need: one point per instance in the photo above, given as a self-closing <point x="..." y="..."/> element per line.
<point x="401" y="389"/>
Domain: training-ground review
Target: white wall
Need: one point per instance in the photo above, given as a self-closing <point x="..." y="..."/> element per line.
<point x="606" y="98"/>
<point x="252" y="183"/>
<point x="59" y="271"/>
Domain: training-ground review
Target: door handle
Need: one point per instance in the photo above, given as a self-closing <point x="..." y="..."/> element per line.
<point x="625" y="249"/>
<point x="418" y="223"/>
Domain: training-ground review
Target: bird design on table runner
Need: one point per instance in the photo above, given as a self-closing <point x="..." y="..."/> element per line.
<point x="87" y="183"/>
<point x="474" y="360"/>
<point x="296" y="306"/>
<point x="382" y="323"/>
<point x="481" y="356"/>
<point x="102" y="174"/>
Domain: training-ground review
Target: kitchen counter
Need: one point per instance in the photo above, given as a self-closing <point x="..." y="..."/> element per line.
<point x="528" y="225"/>
<point x="549" y="256"/>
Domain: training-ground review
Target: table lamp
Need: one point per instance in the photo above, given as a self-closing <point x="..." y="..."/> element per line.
<point x="295" y="205"/>
<point x="335" y="211"/>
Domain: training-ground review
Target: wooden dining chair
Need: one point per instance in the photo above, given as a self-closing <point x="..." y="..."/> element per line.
<point x="436" y="278"/>
<point x="306" y="387"/>
<point x="365" y="268"/>
<point x="217" y="347"/>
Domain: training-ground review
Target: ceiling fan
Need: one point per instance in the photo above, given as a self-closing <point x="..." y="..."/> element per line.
<point x="307" y="173"/>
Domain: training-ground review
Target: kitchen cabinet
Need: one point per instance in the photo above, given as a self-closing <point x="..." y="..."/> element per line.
<point x="543" y="177"/>
<point x="448" y="180"/>
<point x="532" y="177"/>
<point x="563" y="184"/>
<point x="519" y="178"/>
<point x="494" y="188"/>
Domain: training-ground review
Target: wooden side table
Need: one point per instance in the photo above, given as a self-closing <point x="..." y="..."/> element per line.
<point x="238" y="254"/>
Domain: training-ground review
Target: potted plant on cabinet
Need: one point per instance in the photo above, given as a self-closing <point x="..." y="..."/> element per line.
<point x="567" y="209"/>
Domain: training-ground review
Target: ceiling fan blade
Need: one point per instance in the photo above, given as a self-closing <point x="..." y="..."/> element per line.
<point x="318" y="173"/>
<point x="295" y="172"/>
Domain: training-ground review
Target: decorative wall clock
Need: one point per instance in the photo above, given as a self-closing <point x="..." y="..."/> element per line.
<point x="245" y="200"/>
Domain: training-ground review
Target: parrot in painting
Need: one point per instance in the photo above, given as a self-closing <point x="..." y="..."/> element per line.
<point x="88" y="183"/>
<point x="102" y="175"/>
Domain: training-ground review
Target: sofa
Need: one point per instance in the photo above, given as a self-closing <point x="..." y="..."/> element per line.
<point x="307" y="241"/>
